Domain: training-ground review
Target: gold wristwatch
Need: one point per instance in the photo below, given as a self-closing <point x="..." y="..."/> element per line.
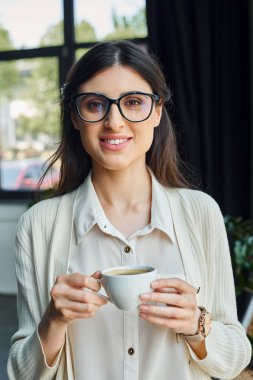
<point x="204" y="328"/>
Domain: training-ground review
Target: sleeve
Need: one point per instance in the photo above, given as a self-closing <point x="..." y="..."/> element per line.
<point x="228" y="349"/>
<point x="26" y="359"/>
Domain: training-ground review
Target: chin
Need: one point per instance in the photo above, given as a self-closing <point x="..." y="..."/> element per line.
<point x="113" y="166"/>
<point x="116" y="167"/>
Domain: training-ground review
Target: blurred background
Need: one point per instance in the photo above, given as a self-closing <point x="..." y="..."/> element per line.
<point x="205" y="49"/>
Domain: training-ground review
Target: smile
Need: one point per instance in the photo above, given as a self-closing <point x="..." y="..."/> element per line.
<point x="116" y="141"/>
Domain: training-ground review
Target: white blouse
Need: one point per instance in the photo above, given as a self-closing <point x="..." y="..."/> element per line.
<point x="118" y="345"/>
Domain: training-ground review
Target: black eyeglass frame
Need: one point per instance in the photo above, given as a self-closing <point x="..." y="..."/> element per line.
<point x="73" y="99"/>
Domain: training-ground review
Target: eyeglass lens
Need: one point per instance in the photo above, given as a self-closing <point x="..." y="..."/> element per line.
<point x="134" y="107"/>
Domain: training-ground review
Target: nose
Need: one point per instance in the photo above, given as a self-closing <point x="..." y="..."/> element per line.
<point x="114" y="118"/>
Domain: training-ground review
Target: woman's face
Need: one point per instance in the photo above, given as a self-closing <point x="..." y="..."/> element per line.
<point x="115" y="143"/>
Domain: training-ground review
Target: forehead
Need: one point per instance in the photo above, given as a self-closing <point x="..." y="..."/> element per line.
<point x="115" y="81"/>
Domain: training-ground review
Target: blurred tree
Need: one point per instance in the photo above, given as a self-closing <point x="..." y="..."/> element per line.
<point x="5" y="41"/>
<point x="8" y="71"/>
<point x="41" y="92"/>
<point x="41" y="88"/>
<point x="8" y="83"/>
<point x="128" y="27"/>
<point x="85" y="32"/>
<point x="53" y="35"/>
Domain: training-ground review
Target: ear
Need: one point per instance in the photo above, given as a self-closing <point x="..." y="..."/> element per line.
<point x="158" y="113"/>
<point x="74" y="119"/>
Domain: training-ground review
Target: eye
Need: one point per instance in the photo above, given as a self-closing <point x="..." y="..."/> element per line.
<point x="132" y="102"/>
<point x="93" y="104"/>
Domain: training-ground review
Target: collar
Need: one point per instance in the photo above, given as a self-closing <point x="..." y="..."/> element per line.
<point x="161" y="216"/>
<point x="88" y="210"/>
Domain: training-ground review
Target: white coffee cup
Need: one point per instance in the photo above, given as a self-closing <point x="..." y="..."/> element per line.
<point x="125" y="284"/>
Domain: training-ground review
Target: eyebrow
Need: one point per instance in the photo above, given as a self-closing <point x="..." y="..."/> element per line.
<point x="122" y="94"/>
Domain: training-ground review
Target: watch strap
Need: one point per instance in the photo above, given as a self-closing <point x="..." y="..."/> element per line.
<point x="203" y="330"/>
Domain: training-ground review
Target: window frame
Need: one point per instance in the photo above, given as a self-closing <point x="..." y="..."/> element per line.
<point x="65" y="54"/>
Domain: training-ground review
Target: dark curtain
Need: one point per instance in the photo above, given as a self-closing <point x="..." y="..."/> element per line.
<point x="203" y="46"/>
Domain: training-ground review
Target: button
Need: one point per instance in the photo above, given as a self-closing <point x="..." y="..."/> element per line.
<point x="127" y="249"/>
<point x="131" y="351"/>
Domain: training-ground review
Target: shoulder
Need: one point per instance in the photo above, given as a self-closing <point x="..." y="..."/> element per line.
<point x="198" y="206"/>
<point x="38" y="217"/>
<point x="202" y="210"/>
<point x="44" y="208"/>
<point x="43" y="214"/>
<point x="198" y="200"/>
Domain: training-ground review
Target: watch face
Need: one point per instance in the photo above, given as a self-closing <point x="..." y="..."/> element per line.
<point x="207" y="323"/>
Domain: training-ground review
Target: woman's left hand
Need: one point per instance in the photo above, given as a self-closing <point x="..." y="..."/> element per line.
<point x="177" y="309"/>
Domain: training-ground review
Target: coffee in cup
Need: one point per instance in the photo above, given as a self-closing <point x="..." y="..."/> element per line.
<point x="125" y="284"/>
<point x="124" y="272"/>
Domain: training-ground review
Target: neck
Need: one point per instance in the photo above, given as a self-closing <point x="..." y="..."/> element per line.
<point x="122" y="188"/>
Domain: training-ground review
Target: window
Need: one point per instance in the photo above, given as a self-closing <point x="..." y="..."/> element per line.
<point x="24" y="24"/>
<point x="110" y="20"/>
<point x="37" y="47"/>
<point x="29" y="117"/>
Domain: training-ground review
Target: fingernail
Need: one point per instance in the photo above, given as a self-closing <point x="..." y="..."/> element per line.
<point x="144" y="316"/>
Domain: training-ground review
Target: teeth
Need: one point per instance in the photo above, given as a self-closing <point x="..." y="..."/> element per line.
<point x="116" y="141"/>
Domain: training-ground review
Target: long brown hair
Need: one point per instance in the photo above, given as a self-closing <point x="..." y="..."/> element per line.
<point x="162" y="157"/>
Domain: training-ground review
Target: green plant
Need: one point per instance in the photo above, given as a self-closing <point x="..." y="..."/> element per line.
<point x="240" y="236"/>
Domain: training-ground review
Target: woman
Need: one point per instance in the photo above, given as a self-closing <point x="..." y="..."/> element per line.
<point x="122" y="200"/>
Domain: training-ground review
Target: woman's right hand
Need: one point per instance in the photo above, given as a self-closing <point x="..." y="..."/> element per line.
<point x="73" y="296"/>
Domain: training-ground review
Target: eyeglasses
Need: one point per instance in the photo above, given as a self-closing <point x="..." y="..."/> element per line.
<point x="134" y="106"/>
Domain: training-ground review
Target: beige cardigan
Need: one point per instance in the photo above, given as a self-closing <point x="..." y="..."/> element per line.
<point x="42" y="251"/>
